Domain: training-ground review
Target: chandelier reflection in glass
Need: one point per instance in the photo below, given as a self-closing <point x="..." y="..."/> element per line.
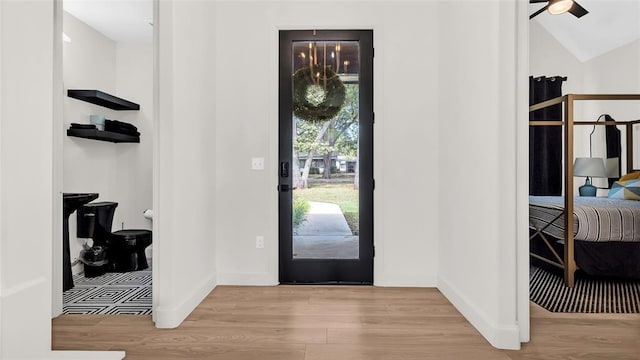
<point x="318" y="91"/>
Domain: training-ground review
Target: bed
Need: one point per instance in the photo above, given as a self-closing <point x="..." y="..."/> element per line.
<point x="568" y="242"/>
<point x="606" y="234"/>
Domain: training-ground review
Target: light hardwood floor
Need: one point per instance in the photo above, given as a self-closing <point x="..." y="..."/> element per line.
<point x="341" y="323"/>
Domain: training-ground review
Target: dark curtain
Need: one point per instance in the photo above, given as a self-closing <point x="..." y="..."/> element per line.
<point x="545" y="142"/>
<point x="614" y="146"/>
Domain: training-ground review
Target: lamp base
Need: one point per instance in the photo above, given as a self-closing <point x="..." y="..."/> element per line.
<point x="587" y="189"/>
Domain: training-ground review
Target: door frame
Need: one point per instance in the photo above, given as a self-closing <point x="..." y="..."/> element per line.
<point x="522" y="49"/>
<point x="358" y="271"/>
<point x="57" y="153"/>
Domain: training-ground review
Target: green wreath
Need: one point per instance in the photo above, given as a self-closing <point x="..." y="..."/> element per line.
<point x="318" y="93"/>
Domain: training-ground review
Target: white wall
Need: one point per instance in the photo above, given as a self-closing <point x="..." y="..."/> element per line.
<point x="25" y="178"/>
<point x="405" y="102"/>
<point x="477" y="167"/>
<point x="134" y="80"/>
<point x="184" y="159"/>
<point x="550" y="58"/>
<point x="616" y="72"/>
<point x="118" y="172"/>
<point x="30" y="67"/>
<point x="407" y="150"/>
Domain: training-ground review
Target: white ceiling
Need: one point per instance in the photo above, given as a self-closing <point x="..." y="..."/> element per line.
<point x="608" y="25"/>
<point x="123" y="21"/>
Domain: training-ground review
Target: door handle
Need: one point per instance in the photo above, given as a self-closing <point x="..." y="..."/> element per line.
<point x="283" y="188"/>
<point x="284" y="169"/>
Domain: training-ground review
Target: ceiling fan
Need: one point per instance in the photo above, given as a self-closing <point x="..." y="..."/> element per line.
<point x="556" y="7"/>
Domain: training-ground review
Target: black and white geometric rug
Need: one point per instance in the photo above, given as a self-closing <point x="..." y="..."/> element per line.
<point x="589" y="295"/>
<point x="111" y="293"/>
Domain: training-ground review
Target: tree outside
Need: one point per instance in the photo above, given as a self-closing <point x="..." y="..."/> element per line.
<point x="327" y="141"/>
<point x="325" y="158"/>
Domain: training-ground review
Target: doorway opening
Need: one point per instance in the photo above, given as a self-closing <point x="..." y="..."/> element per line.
<point x="326" y="156"/>
<point x="102" y="265"/>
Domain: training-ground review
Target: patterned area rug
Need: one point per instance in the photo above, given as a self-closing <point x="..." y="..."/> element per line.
<point x="111" y="293"/>
<point x="589" y="295"/>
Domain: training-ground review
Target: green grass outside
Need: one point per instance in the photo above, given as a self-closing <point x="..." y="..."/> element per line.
<point x="341" y="194"/>
<point x="340" y="175"/>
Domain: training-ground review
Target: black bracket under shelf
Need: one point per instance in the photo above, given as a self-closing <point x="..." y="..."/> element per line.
<point x="110" y="136"/>
<point x="103" y="99"/>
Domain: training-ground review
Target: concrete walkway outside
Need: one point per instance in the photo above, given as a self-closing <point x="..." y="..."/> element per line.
<point x="325" y="234"/>
<point x="323" y="219"/>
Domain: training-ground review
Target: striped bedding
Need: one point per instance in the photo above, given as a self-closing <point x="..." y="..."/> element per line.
<point x="595" y="218"/>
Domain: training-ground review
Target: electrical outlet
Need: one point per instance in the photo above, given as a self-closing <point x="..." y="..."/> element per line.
<point x="259" y="242"/>
<point x="257" y="163"/>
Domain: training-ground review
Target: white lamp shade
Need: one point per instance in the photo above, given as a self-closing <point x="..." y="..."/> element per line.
<point x="590" y="167"/>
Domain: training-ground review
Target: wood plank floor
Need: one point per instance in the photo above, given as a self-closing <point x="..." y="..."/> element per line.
<point x="342" y="323"/>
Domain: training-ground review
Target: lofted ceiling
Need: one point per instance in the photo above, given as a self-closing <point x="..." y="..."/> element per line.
<point x="123" y="21"/>
<point x="608" y="25"/>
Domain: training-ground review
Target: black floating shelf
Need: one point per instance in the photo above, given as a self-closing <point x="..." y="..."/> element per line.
<point x="103" y="99"/>
<point x="103" y="135"/>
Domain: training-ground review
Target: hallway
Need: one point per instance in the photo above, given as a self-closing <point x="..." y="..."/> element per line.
<point x="341" y="322"/>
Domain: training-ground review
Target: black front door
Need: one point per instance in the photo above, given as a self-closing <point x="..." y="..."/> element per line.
<point x="326" y="157"/>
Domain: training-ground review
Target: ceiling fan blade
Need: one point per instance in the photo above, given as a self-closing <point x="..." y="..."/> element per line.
<point x="577" y="10"/>
<point x="538" y="12"/>
<point x="537" y="1"/>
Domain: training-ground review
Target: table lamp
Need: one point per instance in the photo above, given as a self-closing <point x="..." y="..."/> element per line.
<point x="589" y="167"/>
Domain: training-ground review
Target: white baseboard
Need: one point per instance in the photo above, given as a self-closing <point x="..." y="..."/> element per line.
<point x="78" y="355"/>
<point x="247" y="279"/>
<point x="501" y="336"/>
<point x="87" y="355"/>
<point x="172" y="316"/>
<point x="404" y="280"/>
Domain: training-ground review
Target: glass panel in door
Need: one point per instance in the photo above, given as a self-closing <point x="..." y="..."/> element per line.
<point x="325" y="120"/>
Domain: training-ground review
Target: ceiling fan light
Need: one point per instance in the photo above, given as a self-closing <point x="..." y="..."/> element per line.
<point x="559" y="6"/>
